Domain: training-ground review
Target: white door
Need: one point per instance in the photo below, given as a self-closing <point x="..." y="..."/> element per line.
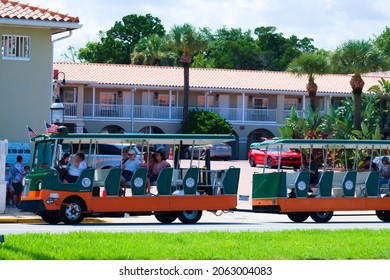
<point x="147" y="102"/>
<point x="224" y="106"/>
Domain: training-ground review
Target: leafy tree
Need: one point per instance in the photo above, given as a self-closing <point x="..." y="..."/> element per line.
<point x="187" y="42"/>
<point x="357" y="57"/>
<point x="206" y="122"/>
<point x="382" y="42"/>
<point x="234" y="49"/>
<point x="117" y="44"/>
<point x="310" y="64"/>
<point x="276" y="51"/>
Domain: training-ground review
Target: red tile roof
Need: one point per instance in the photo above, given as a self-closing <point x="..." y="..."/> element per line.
<point x="205" y="79"/>
<point x="16" y="10"/>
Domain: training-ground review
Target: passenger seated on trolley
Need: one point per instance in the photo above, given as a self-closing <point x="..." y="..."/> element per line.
<point x="310" y="165"/>
<point x="129" y="166"/>
<point x="384" y="173"/>
<point x="75" y="169"/>
<point x="160" y="164"/>
<point x="366" y="165"/>
<point x="149" y="162"/>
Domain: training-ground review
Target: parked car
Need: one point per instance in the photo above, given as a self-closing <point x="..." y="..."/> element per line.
<point x="257" y="154"/>
<point x="217" y="151"/>
<point x="107" y="155"/>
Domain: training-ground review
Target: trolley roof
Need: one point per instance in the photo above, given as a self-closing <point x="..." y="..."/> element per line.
<point x="323" y="143"/>
<point x="115" y="138"/>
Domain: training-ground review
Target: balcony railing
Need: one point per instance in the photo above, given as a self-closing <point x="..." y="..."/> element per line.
<point x="126" y="112"/>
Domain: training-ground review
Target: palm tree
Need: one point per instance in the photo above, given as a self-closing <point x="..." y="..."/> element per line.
<point x="187" y="42"/>
<point x="153" y="51"/>
<point x="310" y="64"/>
<point x="357" y="57"/>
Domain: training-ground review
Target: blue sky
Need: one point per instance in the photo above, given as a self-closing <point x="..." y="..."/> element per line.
<point x="328" y="22"/>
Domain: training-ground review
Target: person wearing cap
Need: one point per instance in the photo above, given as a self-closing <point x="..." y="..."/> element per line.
<point x="129" y="166"/>
<point x="384" y="173"/>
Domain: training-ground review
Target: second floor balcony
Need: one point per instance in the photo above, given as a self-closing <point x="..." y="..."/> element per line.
<point x="163" y="113"/>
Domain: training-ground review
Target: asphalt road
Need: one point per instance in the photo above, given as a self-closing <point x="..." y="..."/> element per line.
<point x="242" y="220"/>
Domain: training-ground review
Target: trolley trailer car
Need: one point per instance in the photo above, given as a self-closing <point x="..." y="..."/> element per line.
<point x="342" y="186"/>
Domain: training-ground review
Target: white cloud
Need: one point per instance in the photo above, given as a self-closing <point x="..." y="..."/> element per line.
<point x="328" y="22"/>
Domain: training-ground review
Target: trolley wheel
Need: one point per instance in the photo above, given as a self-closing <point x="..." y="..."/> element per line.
<point x="166" y="217"/>
<point x="252" y="161"/>
<point x="298" y="217"/>
<point x="321" y="217"/>
<point x="269" y="162"/>
<point x="383" y="215"/>
<point x="189" y="217"/>
<point x="50" y="217"/>
<point x="71" y="212"/>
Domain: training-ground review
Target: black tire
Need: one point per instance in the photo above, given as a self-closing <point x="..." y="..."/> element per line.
<point x="166" y="217"/>
<point x="321" y="217"/>
<point x="71" y="212"/>
<point x="269" y="162"/>
<point x="50" y="217"/>
<point x="298" y="217"/>
<point x="383" y="215"/>
<point x="189" y="217"/>
<point x="252" y="161"/>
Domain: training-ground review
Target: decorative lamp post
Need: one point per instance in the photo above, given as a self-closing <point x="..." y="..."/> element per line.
<point x="57" y="112"/>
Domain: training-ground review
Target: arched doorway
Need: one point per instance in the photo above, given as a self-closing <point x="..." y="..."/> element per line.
<point x="257" y="135"/>
<point x="151" y="130"/>
<point x="112" y="129"/>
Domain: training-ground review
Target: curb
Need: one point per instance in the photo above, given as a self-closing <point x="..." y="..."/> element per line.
<point x="9" y="220"/>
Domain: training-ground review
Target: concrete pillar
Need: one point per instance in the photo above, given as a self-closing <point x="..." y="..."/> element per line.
<point x="280" y="108"/>
<point x="80" y="102"/>
<point x="3" y="192"/>
<point x="242" y="144"/>
<point x="79" y="127"/>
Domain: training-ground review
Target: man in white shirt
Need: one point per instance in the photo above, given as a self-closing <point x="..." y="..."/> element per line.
<point x="129" y="167"/>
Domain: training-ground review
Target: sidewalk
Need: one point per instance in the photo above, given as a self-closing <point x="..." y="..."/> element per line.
<point x="14" y="215"/>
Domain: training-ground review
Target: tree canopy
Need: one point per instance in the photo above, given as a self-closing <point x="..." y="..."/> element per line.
<point x="117" y="44"/>
<point x="138" y="39"/>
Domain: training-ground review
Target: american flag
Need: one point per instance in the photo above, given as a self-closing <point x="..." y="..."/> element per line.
<point x="31" y="132"/>
<point x="51" y="128"/>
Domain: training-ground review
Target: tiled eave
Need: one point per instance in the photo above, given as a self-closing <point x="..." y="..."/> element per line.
<point x="201" y="79"/>
<point x="56" y="27"/>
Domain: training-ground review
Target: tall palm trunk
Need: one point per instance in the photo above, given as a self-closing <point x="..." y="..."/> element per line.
<point x="186" y="61"/>
<point x="357" y="85"/>
<point x="311" y="88"/>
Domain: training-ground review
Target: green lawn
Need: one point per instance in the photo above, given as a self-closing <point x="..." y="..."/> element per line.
<point x="218" y="245"/>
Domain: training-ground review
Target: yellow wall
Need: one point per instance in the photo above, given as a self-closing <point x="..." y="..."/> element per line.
<point x="25" y="86"/>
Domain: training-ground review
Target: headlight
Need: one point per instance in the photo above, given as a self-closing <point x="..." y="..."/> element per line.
<point x="26" y="182"/>
<point x="52" y="198"/>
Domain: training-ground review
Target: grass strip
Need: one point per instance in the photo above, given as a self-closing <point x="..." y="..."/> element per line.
<point x="215" y="245"/>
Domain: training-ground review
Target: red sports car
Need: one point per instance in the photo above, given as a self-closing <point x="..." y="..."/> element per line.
<point x="289" y="157"/>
